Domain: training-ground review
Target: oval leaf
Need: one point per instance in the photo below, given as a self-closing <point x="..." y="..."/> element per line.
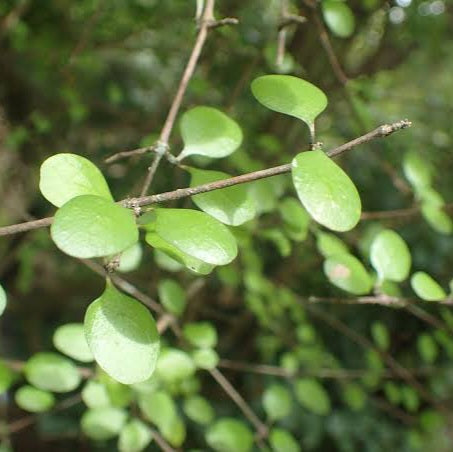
<point x="209" y="132"/>
<point x="199" y="410"/>
<point x="122" y="336"/>
<point x="311" y="395"/>
<point x="174" y="365"/>
<point x="277" y="402"/>
<point x="282" y="441"/>
<point x="417" y="170"/>
<point x="229" y="435"/>
<point x="33" y="399"/>
<point x="426" y="287"/>
<point x="338" y="17"/>
<point x="134" y="436"/>
<point x="89" y="226"/>
<point x="65" y="176"/>
<point x="172" y="296"/>
<point x="330" y="244"/>
<point x="205" y="358"/>
<point x="437" y="218"/>
<point x="130" y="258"/>
<point x="70" y="340"/>
<point x="296" y="219"/>
<point x="200" y="334"/>
<point x="159" y="408"/>
<point x="326" y="191"/>
<point x="95" y="395"/>
<point x="102" y="424"/>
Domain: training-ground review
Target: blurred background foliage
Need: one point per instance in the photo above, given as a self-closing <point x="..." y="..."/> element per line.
<point x="95" y="77"/>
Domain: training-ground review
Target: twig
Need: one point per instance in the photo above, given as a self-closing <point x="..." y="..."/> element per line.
<point x="282" y="32"/>
<point x="126" y="154"/>
<point x="161" y="441"/>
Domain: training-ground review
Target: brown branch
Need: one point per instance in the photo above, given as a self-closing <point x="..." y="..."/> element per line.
<point x="126" y="154"/>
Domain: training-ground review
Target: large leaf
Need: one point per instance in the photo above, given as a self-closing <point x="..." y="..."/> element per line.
<point x="65" y="176"/>
<point x="326" y="191"/>
<point x="209" y="132"/>
<point x="426" y="287"/>
<point x="103" y="423"/>
<point x="338" y="17"/>
<point x="33" y="399"/>
<point x="122" y="336"/>
<point x="70" y="340"/>
<point x="277" y="402"/>
<point x="390" y="256"/>
<point x="91" y="226"/>
<point x="311" y="395"/>
<point x="232" y="205"/>
<point x="2" y="300"/>
<point x="229" y="435"/>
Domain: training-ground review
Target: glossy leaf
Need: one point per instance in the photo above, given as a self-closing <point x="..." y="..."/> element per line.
<point x="330" y="244"/>
<point x="90" y="226"/>
<point x="347" y="272"/>
<point x="65" y="176"/>
<point x="102" y="424"/>
<point x="34" y="400"/>
<point x="209" y="132"/>
<point x="174" y="365"/>
<point x="172" y="296"/>
<point x="199" y="410"/>
<point x="70" y="340"/>
<point x="277" y="402"/>
<point x="52" y="372"/>
<point x="326" y="191"/>
<point x="282" y="441"/>
<point x="205" y="358"/>
<point x="338" y="17"/>
<point x="3" y="300"/>
<point x="134" y="436"/>
<point x="233" y="205"/>
<point x="130" y="258"/>
<point x="229" y="435"/>
<point x="200" y="334"/>
<point x="95" y="395"/>
<point x="390" y="256"/>
<point x="122" y="336"/>
<point x="426" y="287"/>
<point x="312" y="396"/>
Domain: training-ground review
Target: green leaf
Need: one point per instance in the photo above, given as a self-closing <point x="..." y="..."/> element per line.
<point x="34" y="400"/>
<point x="194" y="234"/>
<point x="426" y="287"/>
<point x="229" y="435"/>
<point x="2" y="300"/>
<point x="134" y="436"/>
<point x="233" y="205"/>
<point x="65" y="176"/>
<point x="95" y="395"/>
<point x="70" y="340"/>
<point x="326" y="191"/>
<point x="427" y="348"/>
<point x="282" y="441"/>
<point x="209" y="132"/>
<point x="102" y="424"/>
<point x="6" y="377"/>
<point x="159" y="408"/>
<point x="130" y="258"/>
<point x="417" y="171"/>
<point x="347" y="272"/>
<point x="205" y="358"/>
<point x="380" y="335"/>
<point x="175" y="433"/>
<point x="199" y="410"/>
<point x="52" y="372"/>
<point x="291" y="96"/>
<point x="329" y="244"/>
<point x="390" y="256"/>
<point x="122" y="336"/>
<point x="437" y="218"/>
<point x="312" y="396"/>
<point x="90" y="226"/>
<point x="354" y="396"/>
<point x="392" y="392"/>
<point x="296" y="219"/>
<point x="200" y="334"/>
<point x="174" y="365"/>
<point x="410" y="399"/>
<point x="338" y="17"/>
<point x="165" y="262"/>
<point x="277" y="402"/>
<point x="172" y="296"/>
<point x="120" y="395"/>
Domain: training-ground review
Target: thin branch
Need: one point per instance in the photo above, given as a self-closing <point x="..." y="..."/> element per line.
<point x="161" y="441"/>
<point x="127" y="154"/>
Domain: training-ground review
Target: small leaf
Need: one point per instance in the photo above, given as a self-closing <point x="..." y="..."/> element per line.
<point x="199" y="410"/>
<point x="130" y="258"/>
<point x="311" y="395"/>
<point x="296" y="219"/>
<point x="233" y="205"/>
<point x="6" y="377"/>
<point x="205" y="358"/>
<point x="70" y="340"/>
<point x="34" y="400"/>
<point x="291" y="96"/>
<point x="427" y="348"/>
<point x="122" y="336"/>
<point x="134" y="436"/>
<point x="175" y="433"/>
<point x="174" y="365"/>
<point x="410" y="399"/>
<point x="277" y="402"/>
<point x="282" y="441"/>
<point x="426" y="287"/>
<point x="209" y="132"/>
<point x="159" y="408"/>
<point x="229" y="435"/>
<point x="390" y="256"/>
<point x="90" y="226"/>
<point x="102" y="424"/>
<point x="94" y="395"/>
<point x="52" y="372"/>
<point x="417" y="170"/>
<point x="2" y="300"/>
<point x="326" y="191"/>
<point x="347" y="272"/>
<point x="329" y="244"/>
<point x="338" y="17"/>
<point x="437" y="218"/>
<point x="172" y="296"/>
<point x="200" y="334"/>
<point x="65" y="176"/>
<point x="354" y="396"/>
<point x="380" y="335"/>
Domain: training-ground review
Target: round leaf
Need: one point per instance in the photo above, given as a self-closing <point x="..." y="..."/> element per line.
<point x="91" y="226"/>
<point x="2" y="300"/>
<point x="172" y="296"/>
<point x="282" y="441"/>
<point x="311" y="395"/>
<point x="347" y="272"/>
<point x="70" y="340"/>
<point x="338" y="17"/>
<point x="330" y="244"/>
<point x="209" y="132"/>
<point x="122" y="336"/>
<point x="134" y="436"/>
<point x="326" y="191"/>
<point x="426" y="288"/>
<point x="199" y="410"/>
<point x="390" y="256"/>
<point x="277" y="402"/>
<point x="65" y="176"/>
<point x="232" y="205"/>
<point x="200" y="334"/>
<point x="229" y="435"/>
<point x="205" y="358"/>
<point x="174" y="365"/>
<point x="34" y="400"/>
<point x="95" y="395"/>
<point x="102" y="424"/>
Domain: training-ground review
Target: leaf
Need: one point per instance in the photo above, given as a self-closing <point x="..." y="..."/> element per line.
<point x="229" y="435"/>
<point x="159" y="408"/>
<point x="165" y="262"/>
<point x="277" y="402"/>
<point x="282" y="441"/>
<point x="426" y="287"/>
<point x="232" y="205"/>
<point x="102" y="424"/>
<point x="330" y="244"/>
<point x="390" y="256"/>
<point x="3" y="300"/>
<point x="326" y="191"/>
<point x="198" y="409"/>
<point x="94" y="395"/>
<point x="174" y="365"/>
<point x="291" y="96"/>
<point x="90" y="226"/>
<point x="130" y="258"/>
<point x="134" y="436"/>
<point x="209" y="132"/>
<point x="437" y="218"/>
<point x="200" y="334"/>
<point x="312" y="396"/>
<point x="122" y="336"/>
<point x="338" y="17"/>
<point x="296" y="219"/>
<point x="347" y="272"/>
<point x="65" y="176"/>
<point x="417" y="171"/>
<point x="70" y="340"/>
<point x="354" y="396"/>
<point x="194" y="234"/>
<point x="34" y="400"/>
<point x="172" y="296"/>
<point x="205" y="358"/>
<point x="52" y="372"/>
<point x="6" y="377"/>
<point x="380" y="335"/>
<point x="427" y="348"/>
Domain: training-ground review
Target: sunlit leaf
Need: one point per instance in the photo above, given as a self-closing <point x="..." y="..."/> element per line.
<point x="102" y="424"/>
<point x="172" y="296"/>
<point x="426" y="287"/>
<point x="34" y="400"/>
<point x="70" y="340"/>
<point x="312" y="396"/>
<point x="282" y="441"/>
<point x="174" y="365"/>
<point x="159" y="408"/>
<point x="437" y="218"/>
<point x="338" y="17"/>
<point x="229" y="435"/>
<point x="277" y="402"/>
<point x="198" y="409"/>
<point x="134" y="436"/>
<point x="200" y="334"/>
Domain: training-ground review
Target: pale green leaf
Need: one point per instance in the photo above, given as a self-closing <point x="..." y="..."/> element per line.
<point x="326" y="191"/>
<point x="3" y="300"/>
<point x="159" y="408"/>
<point x="338" y="17"/>
<point x="34" y="400"/>
<point x="174" y="365"/>
<point x="282" y="441"/>
<point x="165" y="262"/>
<point x="198" y="409"/>
<point x="122" y="336"/>
<point x="172" y="296"/>
<point x="101" y="424"/>
<point x="312" y="396"/>
<point x="90" y="226"/>
<point x="437" y="218"/>
<point x="229" y="435"/>
<point x="120" y="395"/>
<point x="130" y="258"/>
<point x="134" y="436"/>
<point x="426" y="287"/>
<point x="277" y="402"/>
<point x="94" y="395"/>
<point x="330" y="244"/>
<point x="205" y="358"/>
<point x="65" y="176"/>
<point x="200" y="334"/>
<point x="175" y="432"/>
<point x="70" y="340"/>
<point x="417" y="170"/>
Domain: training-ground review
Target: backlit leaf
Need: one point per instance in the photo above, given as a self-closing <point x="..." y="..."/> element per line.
<point x="426" y="287"/>
<point x="34" y="400"/>
<point x="200" y="334"/>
